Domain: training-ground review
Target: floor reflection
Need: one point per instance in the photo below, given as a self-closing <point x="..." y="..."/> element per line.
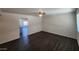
<point x="24" y="40"/>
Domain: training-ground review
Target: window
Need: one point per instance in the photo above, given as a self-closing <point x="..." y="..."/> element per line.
<point x="78" y="22"/>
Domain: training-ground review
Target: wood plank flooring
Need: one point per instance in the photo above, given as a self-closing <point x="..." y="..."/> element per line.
<point x="43" y="41"/>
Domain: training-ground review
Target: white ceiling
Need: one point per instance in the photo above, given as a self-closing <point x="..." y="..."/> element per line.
<point x="48" y="11"/>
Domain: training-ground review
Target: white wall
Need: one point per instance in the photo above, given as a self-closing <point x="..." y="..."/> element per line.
<point x="62" y="24"/>
<point x="9" y="26"/>
<point x="0" y="11"/>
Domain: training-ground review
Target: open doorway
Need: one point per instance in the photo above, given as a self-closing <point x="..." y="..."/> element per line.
<point x="24" y="30"/>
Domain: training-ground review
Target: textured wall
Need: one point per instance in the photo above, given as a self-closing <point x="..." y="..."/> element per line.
<point x="62" y="24"/>
<point x="9" y="26"/>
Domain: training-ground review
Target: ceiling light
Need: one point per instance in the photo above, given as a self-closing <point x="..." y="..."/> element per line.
<point x="40" y="15"/>
<point x="41" y="12"/>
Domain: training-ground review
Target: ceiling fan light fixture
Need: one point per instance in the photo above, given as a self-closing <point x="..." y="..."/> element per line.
<point x="41" y="13"/>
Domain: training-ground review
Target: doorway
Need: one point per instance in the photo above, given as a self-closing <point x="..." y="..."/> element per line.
<point x="24" y="31"/>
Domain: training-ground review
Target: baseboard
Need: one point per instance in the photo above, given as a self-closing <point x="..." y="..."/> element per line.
<point x="35" y="33"/>
<point x="38" y="32"/>
<point x="10" y="41"/>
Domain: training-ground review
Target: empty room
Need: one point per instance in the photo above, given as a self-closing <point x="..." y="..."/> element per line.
<point x="39" y="29"/>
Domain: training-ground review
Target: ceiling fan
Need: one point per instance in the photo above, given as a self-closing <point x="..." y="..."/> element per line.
<point x="40" y="12"/>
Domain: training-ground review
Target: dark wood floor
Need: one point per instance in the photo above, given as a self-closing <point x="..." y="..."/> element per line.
<point x="43" y="41"/>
